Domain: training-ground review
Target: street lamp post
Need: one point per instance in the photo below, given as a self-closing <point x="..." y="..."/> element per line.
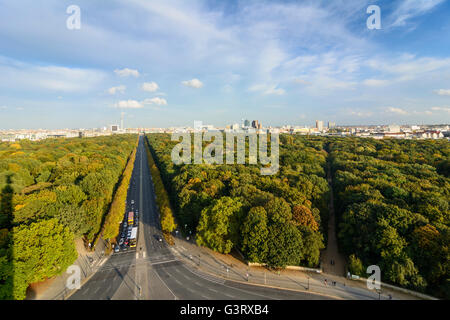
<point x="379" y="294"/>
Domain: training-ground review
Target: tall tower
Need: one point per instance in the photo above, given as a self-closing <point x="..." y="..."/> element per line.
<point x="121" y="120"/>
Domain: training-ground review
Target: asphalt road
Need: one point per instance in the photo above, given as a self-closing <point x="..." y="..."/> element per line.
<point x="152" y="272"/>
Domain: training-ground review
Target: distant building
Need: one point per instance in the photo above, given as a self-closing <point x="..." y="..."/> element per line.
<point x="114" y="128"/>
<point x="393" y="128"/>
<point x="247" y="123"/>
<point x="429" y="135"/>
<point x="255" y="124"/>
<point x="235" y="126"/>
<point x="331" y="125"/>
<point x="319" y="125"/>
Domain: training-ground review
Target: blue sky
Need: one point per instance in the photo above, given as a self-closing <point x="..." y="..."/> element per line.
<point x="168" y="63"/>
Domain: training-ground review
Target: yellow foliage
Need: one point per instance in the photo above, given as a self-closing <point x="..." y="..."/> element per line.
<point x="13" y="167"/>
<point x="162" y="198"/>
<point x="115" y="215"/>
<point x="18" y="207"/>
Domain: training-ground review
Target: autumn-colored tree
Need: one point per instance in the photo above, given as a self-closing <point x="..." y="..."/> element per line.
<point x="40" y="250"/>
<point x="302" y="216"/>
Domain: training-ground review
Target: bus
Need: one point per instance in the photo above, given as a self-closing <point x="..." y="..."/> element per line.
<point x="130" y="218"/>
<point x="133" y="237"/>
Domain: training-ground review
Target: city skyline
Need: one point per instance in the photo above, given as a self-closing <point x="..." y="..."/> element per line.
<point x="167" y="64"/>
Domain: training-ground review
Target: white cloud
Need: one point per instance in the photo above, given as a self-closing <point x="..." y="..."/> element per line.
<point x="445" y="109"/>
<point x="267" y="89"/>
<point x="443" y="92"/>
<point x="194" y="83"/>
<point x="16" y="74"/>
<point x="375" y="82"/>
<point x="126" y="72"/>
<point x="396" y="110"/>
<point x="3" y="107"/>
<point x="301" y="81"/>
<point x="360" y="114"/>
<point x="409" y="9"/>
<point x="129" y="104"/>
<point x="158" y="101"/>
<point x="114" y="90"/>
<point x="150" y="86"/>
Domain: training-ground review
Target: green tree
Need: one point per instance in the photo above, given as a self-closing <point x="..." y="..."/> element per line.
<point x="254" y="234"/>
<point x="278" y="211"/>
<point x="41" y="250"/>
<point x="218" y="227"/>
<point x="285" y="245"/>
<point x="313" y="243"/>
<point x="355" y="266"/>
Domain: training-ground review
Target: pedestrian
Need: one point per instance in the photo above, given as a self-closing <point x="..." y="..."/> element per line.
<point x="325" y="282"/>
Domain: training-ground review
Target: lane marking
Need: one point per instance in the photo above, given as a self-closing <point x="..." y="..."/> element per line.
<point x="165" y="284"/>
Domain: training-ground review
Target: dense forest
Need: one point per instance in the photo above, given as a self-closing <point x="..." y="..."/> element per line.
<point x="52" y="192"/>
<point x="392" y="199"/>
<point x="277" y="220"/>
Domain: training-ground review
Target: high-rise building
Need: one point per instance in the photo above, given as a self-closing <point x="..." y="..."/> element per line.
<point x="247" y="123"/>
<point x="114" y="128"/>
<point x="255" y="124"/>
<point x="331" y="125"/>
<point x="319" y="125"/>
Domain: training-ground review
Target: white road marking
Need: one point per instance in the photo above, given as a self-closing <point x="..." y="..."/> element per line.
<point x="165" y="284"/>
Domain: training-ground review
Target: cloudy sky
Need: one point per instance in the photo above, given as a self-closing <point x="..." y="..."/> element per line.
<point x="170" y="62"/>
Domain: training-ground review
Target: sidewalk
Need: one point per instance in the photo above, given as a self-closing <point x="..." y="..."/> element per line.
<point x="228" y="267"/>
<point x="55" y="288"/>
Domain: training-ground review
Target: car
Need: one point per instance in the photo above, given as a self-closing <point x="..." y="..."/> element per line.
<point x="132" y="201"/>
<point x="125" y="224"/>
<point x="121" y="241"/>
<point x="116" y="249"/>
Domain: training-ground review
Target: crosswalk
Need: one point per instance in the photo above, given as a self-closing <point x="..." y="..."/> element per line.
<point x="207" y="277"/>
<point x="125" y="265"/>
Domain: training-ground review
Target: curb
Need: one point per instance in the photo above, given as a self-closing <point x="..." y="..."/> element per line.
<point x="268" y="286"/>
<point x="86" y="279"/>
